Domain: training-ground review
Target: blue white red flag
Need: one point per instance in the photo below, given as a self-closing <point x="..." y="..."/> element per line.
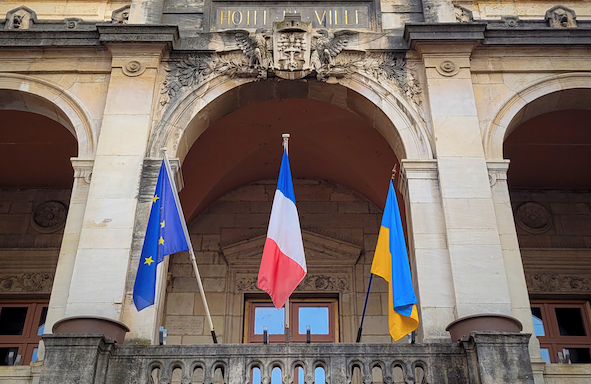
<point x="283" y="265"/>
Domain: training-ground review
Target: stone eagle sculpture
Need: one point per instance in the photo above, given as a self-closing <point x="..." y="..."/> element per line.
<point x="256" y="47"/>
<point x="326" y="47"/>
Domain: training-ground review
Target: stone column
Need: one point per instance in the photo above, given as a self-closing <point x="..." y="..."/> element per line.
<point x="427" y="238"/>
<point x="146" y="11"/>
<point x="102" y="261"/>
<point x="520" y="305"/>
<point x="477" y="264"/>
<point x="70" y="240"/>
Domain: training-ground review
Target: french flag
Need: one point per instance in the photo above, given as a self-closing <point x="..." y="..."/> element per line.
<point x="283" y="265"/>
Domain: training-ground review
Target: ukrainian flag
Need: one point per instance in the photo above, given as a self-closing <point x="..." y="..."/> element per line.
<point x="390" y="262"/>
<point x="164" y="236"/>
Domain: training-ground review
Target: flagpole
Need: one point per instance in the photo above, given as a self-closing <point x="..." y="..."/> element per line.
<point x="285" y="137"/>
<point x="188" y="238"/>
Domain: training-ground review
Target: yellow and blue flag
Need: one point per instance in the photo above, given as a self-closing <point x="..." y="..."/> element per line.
<point x="390" y="261"/>
<point x="164" y="236"/>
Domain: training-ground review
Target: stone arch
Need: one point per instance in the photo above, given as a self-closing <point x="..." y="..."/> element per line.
<point x="26" y="93"/>
<point x="394" y="118"/>
<point x="557" y="92"/>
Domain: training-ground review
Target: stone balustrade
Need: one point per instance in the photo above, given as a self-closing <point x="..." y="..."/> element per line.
<point x="482" y="358"/>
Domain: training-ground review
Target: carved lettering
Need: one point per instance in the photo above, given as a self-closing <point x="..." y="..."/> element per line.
<point x="263" y="17"/>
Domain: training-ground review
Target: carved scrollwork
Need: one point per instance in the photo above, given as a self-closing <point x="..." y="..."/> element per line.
<point x="553" y="282"/>
<point x="310" y="283"/>
<point x="27" y="282"/>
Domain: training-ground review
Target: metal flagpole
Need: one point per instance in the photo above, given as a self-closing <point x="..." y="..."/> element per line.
<point x="285" y="137"/>
<point x="191" y="252"/>
<point x="360" y="330"/>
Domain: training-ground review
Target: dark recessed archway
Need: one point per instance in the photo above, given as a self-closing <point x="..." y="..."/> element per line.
<point x="328" y="142"/>
<point x="35" y="151"/>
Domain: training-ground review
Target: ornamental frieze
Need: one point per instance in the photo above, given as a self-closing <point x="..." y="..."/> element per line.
<point x="557" y="283"/>
<point x="38" y="282"/>
<point x="310" y="283"/>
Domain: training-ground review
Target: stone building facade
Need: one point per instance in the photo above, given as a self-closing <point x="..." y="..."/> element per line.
<point x="481" y="106"/>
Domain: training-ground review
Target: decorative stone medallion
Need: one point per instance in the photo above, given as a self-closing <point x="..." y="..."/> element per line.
<point x="533" y="218"/>
<point x="49" y="216"/>
<point x="133" y="68"/>
<point x="448" y="68"/>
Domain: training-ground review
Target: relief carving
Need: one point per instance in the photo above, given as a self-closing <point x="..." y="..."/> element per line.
<point x="27" y="282"/>
<point x="20" y="18"/>
<point x="552" y="282"/>
<point x="561" y="17"/>
<point x="292" y="51"/>
<point x="121" y="15"/>
<point x="533" y="218"/>
<point x="463" y="15"/>
<point x="310" y="283"/>
<point x="49" y="216"/>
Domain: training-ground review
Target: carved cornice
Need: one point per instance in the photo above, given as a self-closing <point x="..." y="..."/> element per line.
<point x="311" y="282"/>
<point x="558" y="283"/>
<point x="320" y="249"/>
<point x="38" y="282"/>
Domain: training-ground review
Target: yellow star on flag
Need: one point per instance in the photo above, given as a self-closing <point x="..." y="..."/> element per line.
<point x="155" y="198"/>
<point x="161" y="241"/>
<point x="149" y="260"/>
<point x="162" y="224"/>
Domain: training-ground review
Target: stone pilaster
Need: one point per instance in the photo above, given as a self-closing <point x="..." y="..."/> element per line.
<point x="431" y="265"/>
<point x="70" y="240"/>
<point x="102" y="261"/>
<point x="520" y="305"/>
<point x="477" y="264"/>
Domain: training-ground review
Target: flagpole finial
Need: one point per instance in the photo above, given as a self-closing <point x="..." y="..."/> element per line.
<point x="285" y="140"/>
<point x="164" y="149"/>
<point x="394" y="170"/>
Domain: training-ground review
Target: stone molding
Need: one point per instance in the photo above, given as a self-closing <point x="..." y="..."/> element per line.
<point x="36" y="282"/>
<point x="320" y="250"/>
<point x="533" y="217"/>
<point x="419" y="169"/>
<point x="49" y="216"/>
<point x="558" y="283"/>
<point x="447" y="68"/>
<point x="497" y="170"/>
<point x="133" y="68"/>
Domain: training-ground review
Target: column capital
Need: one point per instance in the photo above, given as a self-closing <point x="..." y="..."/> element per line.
<point x="497" y="170"/>
<point x="82" y="168"/>
<point x="419" y="169"/>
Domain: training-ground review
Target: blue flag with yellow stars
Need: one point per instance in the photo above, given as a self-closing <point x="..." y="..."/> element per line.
<point x="164" y="237"/>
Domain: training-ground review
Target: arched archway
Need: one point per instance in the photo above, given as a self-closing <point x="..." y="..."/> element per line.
<point x="37" y="142"/>
<point x="342" y="152"/>
<point x="548" y="143"/>
<point x="26" y="93"/>
<point x="559" y="92"/>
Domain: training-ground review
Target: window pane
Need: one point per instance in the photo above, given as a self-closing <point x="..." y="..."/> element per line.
<point x="578" y="355"/>
<point x="34" y="358"/>
<point x="12" y="320"/>
<point x="41" y="327"/>
<point x="276" y="377"/>
<point x="319" y="377"/>
<point x="570" y="321"/>
<point x="316" y="317"/>
<point x="545" y="354"/>
<point x="536" y="313"/>
<point x="273" y="318"/>
<point x="8" y="355"/>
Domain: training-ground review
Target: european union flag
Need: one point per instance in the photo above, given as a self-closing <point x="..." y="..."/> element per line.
<point x="164" y="236"/>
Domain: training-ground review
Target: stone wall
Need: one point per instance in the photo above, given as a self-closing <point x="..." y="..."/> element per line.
<point x="554" y="232"/>
<point x="31" y="229"/>
<point x="340" y="230"/>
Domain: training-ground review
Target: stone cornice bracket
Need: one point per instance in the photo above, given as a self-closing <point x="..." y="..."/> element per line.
<point x="444" y="33"/>
<point x="118" y="33"/>
<point x="82" y="168"/>
<point x="497" y="170"/>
